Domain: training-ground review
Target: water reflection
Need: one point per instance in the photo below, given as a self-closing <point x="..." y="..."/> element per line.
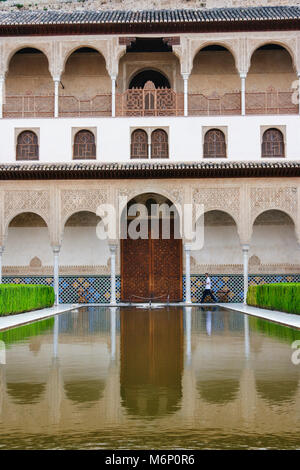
<point x="126" y="377"/>
<point x="151" y="361"/>
<point x="22" y="392"/>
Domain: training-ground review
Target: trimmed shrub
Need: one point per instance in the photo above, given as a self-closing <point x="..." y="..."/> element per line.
<point x="284" y="297"/>
<point x="17" y="298"/>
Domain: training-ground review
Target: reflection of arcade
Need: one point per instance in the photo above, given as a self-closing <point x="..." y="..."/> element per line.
<point x="151" y="361"/>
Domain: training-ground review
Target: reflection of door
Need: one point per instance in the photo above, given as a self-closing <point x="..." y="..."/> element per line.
<point x="151" y="268"/>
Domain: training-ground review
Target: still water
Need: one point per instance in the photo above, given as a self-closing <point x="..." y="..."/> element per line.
<point x="168" y="378"/>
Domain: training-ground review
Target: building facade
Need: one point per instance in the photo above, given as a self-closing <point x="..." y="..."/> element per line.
<point x="184" y="107"/>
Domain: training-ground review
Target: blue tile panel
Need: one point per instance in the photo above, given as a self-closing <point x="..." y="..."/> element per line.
<point x="96" y="289"/>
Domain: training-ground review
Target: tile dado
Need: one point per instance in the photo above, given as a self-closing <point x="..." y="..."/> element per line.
<point x="96" y="289"/>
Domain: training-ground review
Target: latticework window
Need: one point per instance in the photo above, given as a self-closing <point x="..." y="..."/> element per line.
<point x="272" y="144"/>
<point x="84" y="145"/>
<point x="27" y="146"/>
<point x="159" y="144"/>
<point x="214" y="144"/>
<point x="139" y="144"/>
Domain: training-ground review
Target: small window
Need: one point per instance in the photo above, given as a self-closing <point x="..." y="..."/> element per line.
<point x="27" y="146"/>
<point x="139" y="144"/>
<point x="159" y="144"/>
<point x="214" y="144"/>
<point x="84" y="146"/>
<point x="272" y="143"/>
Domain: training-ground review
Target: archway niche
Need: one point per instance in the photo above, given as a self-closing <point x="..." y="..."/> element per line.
<point x="29" y="86"/>
<point x="214" y="84"/>
<point x="27" y="239"/>
<point x="28" y="74"/>
<point x="273" y="240"/>
<point x="221" y="249"/>
<point x="269" y="81"/>
<point x="81" y="247"/>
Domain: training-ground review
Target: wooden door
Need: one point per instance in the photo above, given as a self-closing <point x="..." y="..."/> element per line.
<point x="151" y="268"/>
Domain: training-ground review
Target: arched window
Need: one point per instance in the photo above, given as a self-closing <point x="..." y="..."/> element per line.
<point x="159" y="144"/>
<point x="27" y="146"/>
<point x="139" y="144"/>
<point x="214" y="144"/>
<point x="272" y="144"/>
<point x="84" y="145"/>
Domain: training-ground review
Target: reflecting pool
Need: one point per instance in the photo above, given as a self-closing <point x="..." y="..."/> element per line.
<point x="130" y="378"/>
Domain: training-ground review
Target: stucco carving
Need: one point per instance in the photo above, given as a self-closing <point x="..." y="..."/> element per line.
<point x="219" y="198"/>
<point x="74" y="200"/>
<point x="280" y="198"/>
<point x="18" y="201"/>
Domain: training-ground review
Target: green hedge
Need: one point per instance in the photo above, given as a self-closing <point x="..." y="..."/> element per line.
<point x="17" y="298"/>
<point x="284" y="297"/>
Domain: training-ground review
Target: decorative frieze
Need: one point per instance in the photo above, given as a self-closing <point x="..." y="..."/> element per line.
<point x="75" y="200"/>
<point x="279" y="198"/>
<point x="18" y="201"/>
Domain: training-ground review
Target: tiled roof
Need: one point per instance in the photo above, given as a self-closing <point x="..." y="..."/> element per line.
<point x="96" y="170"/>
<point x="37" y="17"/>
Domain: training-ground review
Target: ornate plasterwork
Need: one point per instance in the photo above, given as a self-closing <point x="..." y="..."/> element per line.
<point x="226" y="199"/>
<point x="63" y="270"/>
<point x="18" y="201"/>
<point x="273" y="198"/>
<point x="75" y="200"/>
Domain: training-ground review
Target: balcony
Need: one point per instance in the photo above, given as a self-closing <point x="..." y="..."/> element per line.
<point x="149" y="102"/>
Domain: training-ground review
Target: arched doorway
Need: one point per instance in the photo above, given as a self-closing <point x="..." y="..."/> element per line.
<point x="151" y="250"/>
<point x="141" y="78"/>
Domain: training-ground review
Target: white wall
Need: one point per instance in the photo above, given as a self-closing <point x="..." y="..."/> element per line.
<point x="80" y="247"/>
<point x="275" y="244"/>
<point x="25" y="243"/>
<point x="185" y="136"/>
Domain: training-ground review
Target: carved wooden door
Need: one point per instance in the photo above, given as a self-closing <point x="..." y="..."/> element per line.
<point x="151" y="268"/>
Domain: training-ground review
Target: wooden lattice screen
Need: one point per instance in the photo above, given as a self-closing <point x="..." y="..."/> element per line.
<point x="214" y="144"/>
<point x="272" y="143"/>
<point x="84" y="145"/>
<point x="27" y="146"/>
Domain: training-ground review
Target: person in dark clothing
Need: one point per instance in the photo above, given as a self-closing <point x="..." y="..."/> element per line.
<point x="207" y="290"/>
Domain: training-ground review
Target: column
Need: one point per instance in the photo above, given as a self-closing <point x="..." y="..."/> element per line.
<point x="56" y="95"/>
<point x="1" y="252"/>
<point x="246" y="336"/>
<point x="245" y="249"/>
<point x="2" y="97"/>
<point x="113" y="249"/>
<point x="187" y="249"/>
<point x="56" y="250"/>
<point x="55" y="337"/>
<point x="185" y="77"/>
<point x="149" y="145"/>
<point x="113" y="96"/>
<point x="243" y="93"/>
<point x="188" y="332"/>
<point x="113" y="333"/>
<point x="298" y="93"/>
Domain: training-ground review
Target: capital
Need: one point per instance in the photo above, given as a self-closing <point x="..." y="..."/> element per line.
<point x="56" y="249"/>
<point x="245" y="247"/>
<point x="113" y="248"/>
<point x="187" y="247"/>
<point x="243" y="75"/>
<point x="185" y="75"/>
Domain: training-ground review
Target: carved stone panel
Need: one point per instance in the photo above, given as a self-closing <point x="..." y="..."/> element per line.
<point x="266" y="198"/>
<point x="18" y="201"/>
